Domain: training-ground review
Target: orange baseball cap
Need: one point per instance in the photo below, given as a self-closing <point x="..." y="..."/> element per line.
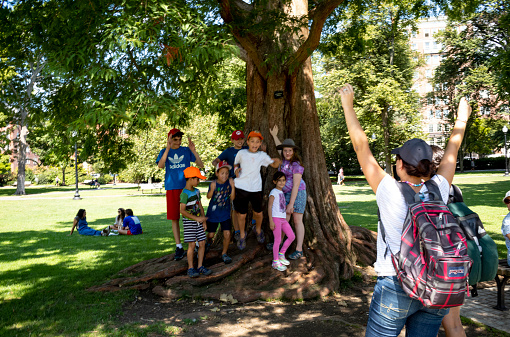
<point x="192" y="172"/>
<point x="255" y="134"/>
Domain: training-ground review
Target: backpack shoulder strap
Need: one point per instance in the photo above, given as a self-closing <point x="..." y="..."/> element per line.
<point x="455" y="194"/>
<point x="434" y="192"/>
<point x="407" y="192"/>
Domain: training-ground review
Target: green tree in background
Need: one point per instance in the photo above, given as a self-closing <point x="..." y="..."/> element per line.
<point x="474" y="64"/>
<point x="373" y="55"/>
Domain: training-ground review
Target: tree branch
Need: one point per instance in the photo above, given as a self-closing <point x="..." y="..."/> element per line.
<point x="246" y="40"/>
<point x="319" y="16"/>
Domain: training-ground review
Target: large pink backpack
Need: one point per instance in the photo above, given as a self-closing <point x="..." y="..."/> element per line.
<point x="432" y="264"/>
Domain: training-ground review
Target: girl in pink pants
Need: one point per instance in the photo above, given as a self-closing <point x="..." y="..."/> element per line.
<point x="278" y="222"/>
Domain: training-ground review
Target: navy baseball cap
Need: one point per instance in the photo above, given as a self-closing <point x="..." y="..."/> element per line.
<point x="413" y="151"/>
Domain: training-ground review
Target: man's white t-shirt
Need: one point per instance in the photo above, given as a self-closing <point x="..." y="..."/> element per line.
<point x="250" y="163"/>
<point x="393" y="210"/>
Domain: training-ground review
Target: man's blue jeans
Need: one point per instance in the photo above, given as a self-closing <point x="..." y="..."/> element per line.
<point x="392" y="309"/>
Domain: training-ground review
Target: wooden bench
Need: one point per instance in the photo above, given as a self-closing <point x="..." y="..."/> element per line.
<point x="504" y="272"/>
<point x="89" y="183"/>
<point x="153" y="186"/>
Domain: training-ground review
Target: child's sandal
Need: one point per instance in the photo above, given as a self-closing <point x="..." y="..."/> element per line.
<point x="296" y="255"/>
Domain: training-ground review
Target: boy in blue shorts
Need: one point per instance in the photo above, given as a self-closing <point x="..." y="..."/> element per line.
<point x="175" y="158"/>
<point x="229" y="155"/>
<point x="248" y="184"/>
<point x="221" y="192"/>
<point x="193" y="220"/>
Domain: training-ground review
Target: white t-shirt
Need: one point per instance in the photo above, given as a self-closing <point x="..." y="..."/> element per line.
<point x="251" y="162"/>
<point x="393" y="209"/>
<point x="279" y="205"/>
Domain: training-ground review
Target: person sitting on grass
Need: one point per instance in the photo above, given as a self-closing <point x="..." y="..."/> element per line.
<point x="221" y="192"/>
<point x="80" y="221"/>
<point x="131" y="224"/>
<point x="193" y="221"/>
<point x="119" y="219"/>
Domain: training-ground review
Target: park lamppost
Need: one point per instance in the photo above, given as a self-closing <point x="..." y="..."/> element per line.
<point x="505" y="130"/>
<point x="76" y="193"/>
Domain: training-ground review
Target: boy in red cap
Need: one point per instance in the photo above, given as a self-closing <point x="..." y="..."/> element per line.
<point x="175" y="159"/>
<point x="248" y="183"/>
<point x="229" y="155"/>
<point x="193" y="220"/>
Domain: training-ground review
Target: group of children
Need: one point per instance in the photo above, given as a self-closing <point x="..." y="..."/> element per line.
<point x="238" y="182"/>
<point x="125" y="224"/>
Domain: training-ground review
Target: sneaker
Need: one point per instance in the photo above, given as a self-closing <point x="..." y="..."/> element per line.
<point x="227" y="259"/>
<point x="179" y="254"/>
<point x="279" y="266"/>
<point x="237" y="236"/>
<point x="106" y="231"/>
<point x="204" y="271"/>
<point x="283" y="260"/>
<point x="261" y="237"/>
<point x="296" y="255"/>
<point x="192" y="272"/>
<point x="241" y="244"/>
<point x="113" y="233"/>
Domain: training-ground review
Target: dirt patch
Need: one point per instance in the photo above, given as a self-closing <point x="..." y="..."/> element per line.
<point x="340" y="314"/>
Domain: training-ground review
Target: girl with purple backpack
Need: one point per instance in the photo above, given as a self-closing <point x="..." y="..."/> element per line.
<point x="391" y="308"/>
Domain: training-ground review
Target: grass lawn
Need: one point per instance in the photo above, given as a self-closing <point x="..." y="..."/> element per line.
<point x="44" y="272"/>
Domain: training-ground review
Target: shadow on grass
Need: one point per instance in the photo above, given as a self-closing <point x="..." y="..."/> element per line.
<point x="44" y="292"/>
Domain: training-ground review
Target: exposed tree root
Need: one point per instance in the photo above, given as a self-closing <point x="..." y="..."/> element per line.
<point x="364" y="244"/>
<point x="249" y="277"/>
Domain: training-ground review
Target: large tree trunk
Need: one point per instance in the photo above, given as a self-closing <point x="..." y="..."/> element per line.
<point x="22" y="159"/>
<point x="295" y="114"/>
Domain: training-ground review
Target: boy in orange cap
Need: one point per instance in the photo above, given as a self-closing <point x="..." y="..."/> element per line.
<point x="175" y="158"/>
<point x="248" y="183"/>
<point x="193" y="220"/>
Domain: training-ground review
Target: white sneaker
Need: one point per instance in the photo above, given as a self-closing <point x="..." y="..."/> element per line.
<point x="283" y="260"/>
<point x="279" y="266"/>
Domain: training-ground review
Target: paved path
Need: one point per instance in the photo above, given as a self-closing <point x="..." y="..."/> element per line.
<point x="480" y="309"/>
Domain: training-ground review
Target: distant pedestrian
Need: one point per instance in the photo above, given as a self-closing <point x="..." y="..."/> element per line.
<point x="341" y="176"/>
<point x="57" y="181"/>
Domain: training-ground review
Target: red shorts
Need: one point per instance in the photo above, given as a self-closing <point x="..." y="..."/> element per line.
<point x="129" y="232"/>
<point x="173" y="204"/>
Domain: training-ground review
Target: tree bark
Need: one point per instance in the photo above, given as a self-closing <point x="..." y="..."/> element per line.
<point x="36" y="68"/>
<point x="22" y="157"/>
